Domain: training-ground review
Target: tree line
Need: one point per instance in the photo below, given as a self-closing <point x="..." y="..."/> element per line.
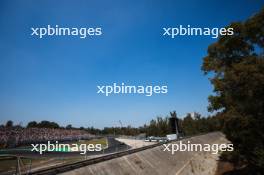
<point x="160" y="126"/>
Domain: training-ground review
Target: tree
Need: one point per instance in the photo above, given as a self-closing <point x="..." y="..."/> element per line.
<point x="9" y="123"/>
<point x="69" y="126"/>
<point x="237" y="64"/>
<point x="188" y="125"/>
<point x="48" y="124"/>
<point x="32" y="124"/>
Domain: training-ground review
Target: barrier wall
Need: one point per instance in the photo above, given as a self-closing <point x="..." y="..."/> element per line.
<point x="155" y="161"/>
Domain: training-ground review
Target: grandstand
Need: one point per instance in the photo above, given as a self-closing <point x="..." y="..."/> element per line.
<point x="11" y="137"/>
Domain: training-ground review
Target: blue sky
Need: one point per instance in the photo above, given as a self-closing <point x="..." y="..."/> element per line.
<point x="55" y="78"/>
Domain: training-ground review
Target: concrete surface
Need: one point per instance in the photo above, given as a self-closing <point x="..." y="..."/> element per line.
<point x="155" y="161"/>
<point x="133" y="143"/>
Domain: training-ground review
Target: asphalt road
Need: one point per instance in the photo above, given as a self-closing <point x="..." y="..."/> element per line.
<point x="113" y="146"/>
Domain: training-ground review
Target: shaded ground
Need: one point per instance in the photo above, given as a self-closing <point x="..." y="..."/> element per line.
<point x="227" y="168"/>
<point x="224" y="167"/>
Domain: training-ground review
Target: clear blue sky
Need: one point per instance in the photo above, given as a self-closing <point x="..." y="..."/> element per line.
<point x="55" y="78"/>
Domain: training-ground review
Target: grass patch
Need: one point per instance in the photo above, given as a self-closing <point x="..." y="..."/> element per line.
<point x="102" y="141"/>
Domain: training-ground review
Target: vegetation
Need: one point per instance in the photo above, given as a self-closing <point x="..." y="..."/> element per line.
<point x="42" y="124"/>
<point x="236" y="64"/>
<point x="102" y="141"/>
<point x="189" y="125"/>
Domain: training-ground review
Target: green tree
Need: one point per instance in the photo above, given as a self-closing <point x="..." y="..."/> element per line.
<point x="189" y="125"/>
<point x="32" y="124"/>
<point x="69" y="126"/>
<point x="48" y="124"/>
<point x="237" y="64"/>
<point x="9" y="123"/>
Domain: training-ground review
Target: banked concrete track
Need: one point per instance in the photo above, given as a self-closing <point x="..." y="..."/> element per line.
<point x="155" y="161"/>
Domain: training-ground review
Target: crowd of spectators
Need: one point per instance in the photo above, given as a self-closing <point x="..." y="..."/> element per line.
<point x="17" y="136"/>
